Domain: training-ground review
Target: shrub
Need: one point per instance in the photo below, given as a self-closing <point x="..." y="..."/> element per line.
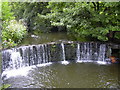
<point x="13" y="33"/>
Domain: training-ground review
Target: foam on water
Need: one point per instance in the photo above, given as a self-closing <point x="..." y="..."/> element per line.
<point x="44" y="64"/>
<point x="21" y="71"/>
<point x="65" y="62"/>
<point x="79" y="61"/>
<point x="101" y="62"/>
<point x="16" y="72"/>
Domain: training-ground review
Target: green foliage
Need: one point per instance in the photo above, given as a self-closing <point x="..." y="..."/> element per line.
<point x="13" y="34"/>
<point x="12" y="30"/>
<point x="6" y="12"/>
<point x="73" y="45"/>
<point x="7" y="15"/>
<point x="82" y="19"/>
<point x="4" y="87"/>
<point x="33" y="14"/>
<point x="41" y="23"/>
<point x="53" y="48"/>
<point x="117" y="35"/>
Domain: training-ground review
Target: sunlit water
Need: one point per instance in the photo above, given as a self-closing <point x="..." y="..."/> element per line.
<point x="72" y="75"/>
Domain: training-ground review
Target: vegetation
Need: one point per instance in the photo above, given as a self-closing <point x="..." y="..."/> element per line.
<point x="98" y="20"/>
<point x="3" y="87"/>
<point x="32" y="13"/>
<point x="92" y="19"/>
<point x="12" y="31"/>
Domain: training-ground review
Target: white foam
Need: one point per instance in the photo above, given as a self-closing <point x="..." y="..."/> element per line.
<point x="79" y="61"/>
<point x="101" y="62"/>
<point x="65" y="62"/>
<point x="21" y="71"/>
<point x="16" y="72"/>
<point x="88" y="61"/>
<point x="44" y="64"/>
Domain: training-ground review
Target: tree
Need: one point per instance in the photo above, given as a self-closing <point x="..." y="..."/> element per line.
<point x="32" y="14"/>
<point x="96" y="19"/>
<point x="12" y="31"/>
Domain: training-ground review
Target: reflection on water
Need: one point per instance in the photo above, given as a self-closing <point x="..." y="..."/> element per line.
<point x="73" y="75"/>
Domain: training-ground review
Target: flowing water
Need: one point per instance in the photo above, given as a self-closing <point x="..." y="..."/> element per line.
<point x="78" y="53"/>
<point x="44" y="53"/>
<point x="73" y="75"/>
<point x="63" y="55"/>
<point x="59" y="65"/>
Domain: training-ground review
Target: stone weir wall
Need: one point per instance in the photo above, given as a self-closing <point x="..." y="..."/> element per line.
<point x="52" y="52"/>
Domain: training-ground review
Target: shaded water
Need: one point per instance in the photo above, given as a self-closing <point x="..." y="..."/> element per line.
<point x="44" y="38"/>
<point x="40" y="38"/>
<point x="73" y="75"/>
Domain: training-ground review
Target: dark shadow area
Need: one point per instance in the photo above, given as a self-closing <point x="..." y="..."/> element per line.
<point x="116" y="53"/>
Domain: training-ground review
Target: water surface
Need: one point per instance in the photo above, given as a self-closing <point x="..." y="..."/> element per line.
<point x="40" y="38"/>
<point x="73" y="75"/>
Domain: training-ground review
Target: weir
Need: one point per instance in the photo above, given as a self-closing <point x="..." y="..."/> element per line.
<point x="43" y="53"/>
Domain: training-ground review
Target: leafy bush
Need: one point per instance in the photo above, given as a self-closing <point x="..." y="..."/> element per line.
<point x="82" y="19"/>
<point x="3" y="87"/>
<point x="13" y="33"/>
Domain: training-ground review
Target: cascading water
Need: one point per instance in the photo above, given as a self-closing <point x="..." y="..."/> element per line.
<point x="44" y="53"/>
<point x="78" y="53"/>
<point x="11" y="60"/>
<point x="89" y="52"/>
<point x="24" y="56"/>
<point x="26" y="63"/>
<point x="101" y="57"/>
<point x="63" y="54"/>
<point x="16" y="60"/>
<point x="23" y="59"/>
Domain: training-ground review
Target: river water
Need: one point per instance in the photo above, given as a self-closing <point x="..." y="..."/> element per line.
<point x="41" y="38"/>
<point x="73" y="75"/>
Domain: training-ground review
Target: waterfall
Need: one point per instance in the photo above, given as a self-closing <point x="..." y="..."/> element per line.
<point x="14" y="59"/>
<point x="78" y="53"/>
<point x="44" y="53"/>
<point x="84" y="52"/>
<point x="63" y="51"/>
<point x="24" y="56"/>
<point x="89" y="52"/>
<point x="63" y="55"/>
<point x="101" y="57"/>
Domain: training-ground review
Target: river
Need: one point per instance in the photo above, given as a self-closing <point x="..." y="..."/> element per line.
<point x="39" y="65"/>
